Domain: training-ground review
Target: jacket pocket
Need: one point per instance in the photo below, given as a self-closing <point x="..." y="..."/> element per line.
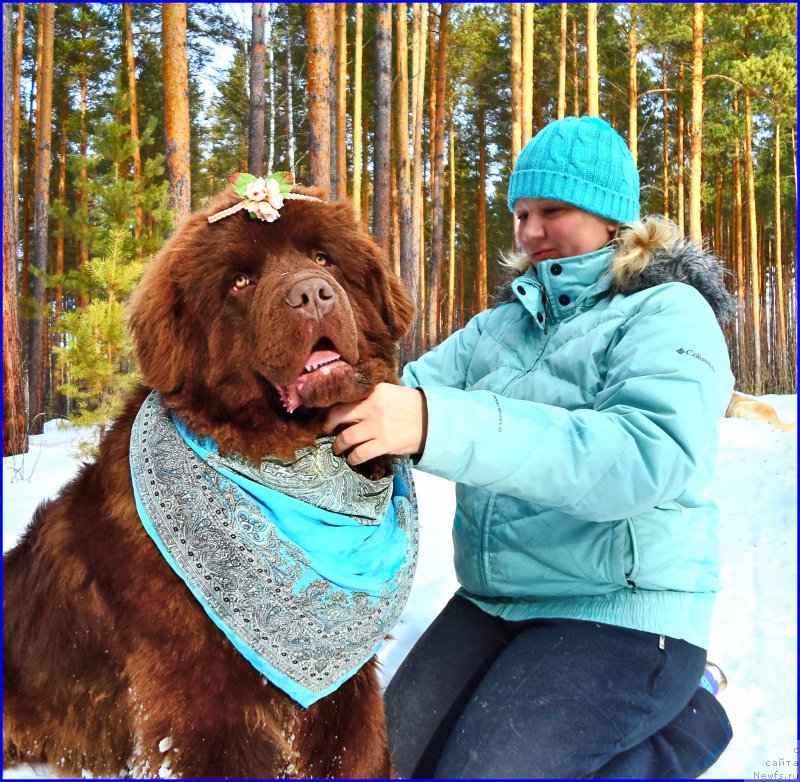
<point x="632" y="558"/>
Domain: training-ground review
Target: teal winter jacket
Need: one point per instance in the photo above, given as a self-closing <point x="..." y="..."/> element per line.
<point x="579" y="420"/>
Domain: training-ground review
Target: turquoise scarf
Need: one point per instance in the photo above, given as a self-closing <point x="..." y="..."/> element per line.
<point x="305" y="567"/>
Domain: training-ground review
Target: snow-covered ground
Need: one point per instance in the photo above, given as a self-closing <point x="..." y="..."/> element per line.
<point x="754" y="632"/>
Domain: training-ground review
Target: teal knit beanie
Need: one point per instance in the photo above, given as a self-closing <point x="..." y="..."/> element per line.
<point x="581" y="161"/>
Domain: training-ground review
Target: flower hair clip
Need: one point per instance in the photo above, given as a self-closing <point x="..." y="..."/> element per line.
<point x="262" y="196"/>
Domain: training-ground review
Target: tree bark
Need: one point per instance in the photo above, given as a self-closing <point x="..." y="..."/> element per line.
<point x="451" y="256"/>
<point x="696" y="137"/>
<point x="62" y="197"/>
<point x="318" y="90"/>
<point x="341" y="101"/>
<point x="665" y="135"/>
<point x="290" y="108"/>
<point x="134" y="114"/>
<point x="592" y="85"/>
<point x="381" y="161"/>
<point x="527" y="72"/>
<point x="779" y="248"/>
<point x="176" y="106"/>
<point x="755" y="274"/>
<point x="576" y="95"/>
<point x="83" y="174"/>
<point x="516" y="81"/>
<point x="15" y="438"/>
<point x="562" y="66"/>
<point x="717" y="207"/>
<point x="633" y="86"/>
<point x="437" y="205"/>
<point x="38" y="335"/>
<point x="681" y="207"/>
<point x="409" y="269"/>
<point x="258" y="61"/>
<point x="412" y="344"/>
<point x="358" y="55"/>
<point x="481" y="270"/>
<point x="269" y="31"/>
<point x="738" y="215"/>
<point x="17" y="105"/>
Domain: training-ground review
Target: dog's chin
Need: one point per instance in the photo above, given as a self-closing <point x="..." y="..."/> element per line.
<point x="334" y="383"/>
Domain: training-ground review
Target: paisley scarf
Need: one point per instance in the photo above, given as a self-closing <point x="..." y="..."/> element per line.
<point x="304" y="566"/>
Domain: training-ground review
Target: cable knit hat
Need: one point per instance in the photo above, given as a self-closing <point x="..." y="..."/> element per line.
<point x="581" y="161"/>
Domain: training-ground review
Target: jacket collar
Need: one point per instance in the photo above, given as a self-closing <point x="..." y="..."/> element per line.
<point x="556" y="288"/>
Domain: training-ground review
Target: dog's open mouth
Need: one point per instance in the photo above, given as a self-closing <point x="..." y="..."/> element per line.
<point x="323" y="364"/>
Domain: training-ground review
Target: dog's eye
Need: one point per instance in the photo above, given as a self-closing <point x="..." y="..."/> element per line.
<point x="240" y="282"/>
<point x="322" y="259"/>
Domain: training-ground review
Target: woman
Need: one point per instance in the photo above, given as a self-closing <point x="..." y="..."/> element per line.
<point x="578" y="418"/>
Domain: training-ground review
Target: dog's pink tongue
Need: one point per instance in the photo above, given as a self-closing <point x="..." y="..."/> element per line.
<point x="321" y="357"/>
<point x="290" y="395"/>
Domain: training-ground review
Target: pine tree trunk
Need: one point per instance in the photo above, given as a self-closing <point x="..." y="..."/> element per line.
<point x="134" y="115"/>
<point x="516" y="81"/>
<point x="437" y="206"/>
<point x="341" y="101"/>
<point x="62" y="197"/>
<point x="409" y="264"/>
<point x="738" y="216"/>
<point x="451" y="256"/>
<point x="318" y="90"/>
<point x="414" y="278"/>
<point x="383" y="110"/>
<point x="38" y="335"/>
<point x="665" y="135"/>
<point x="481" y="270"/>
<point x="717" y="207"/>
<point x="83" y="174"/>
<point x="290" y="108"/>
<point x="269" y="30"/>
<point x="30" y="177"/>
<point x="592" y="84"/>
<point x="365" y="194"/>
<point x="17" y="105"/>
<point x="527" y="72"/>
<point x="258" y="60"/>
<point x="633" y="87"/>
<point x="680" y="154"/>
<point x="576" y="94"/>
<point x="358" y="54"/>
<point x="696" y="137"/>
<point x="755" y="274"/>
<point x="176" y="106"/>
<point x="562" y="66"/>
<point x="15" y="438"/>
<point x="779" y="251"/>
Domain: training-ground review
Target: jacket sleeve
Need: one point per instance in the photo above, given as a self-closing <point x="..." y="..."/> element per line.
<point x="447" y="363"/>
<point x="668" y="380"/>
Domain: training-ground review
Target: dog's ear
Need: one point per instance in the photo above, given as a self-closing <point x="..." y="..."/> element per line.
<point x="153" y="318"/>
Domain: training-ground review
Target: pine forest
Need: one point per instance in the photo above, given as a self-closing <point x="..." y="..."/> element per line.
<point x="120" y="118"/>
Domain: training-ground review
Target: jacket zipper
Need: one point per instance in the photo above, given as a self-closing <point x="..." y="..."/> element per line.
<point x="546" y="303"/>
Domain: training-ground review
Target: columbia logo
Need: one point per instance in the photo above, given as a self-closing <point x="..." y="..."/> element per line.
<point x="697" y="356"/>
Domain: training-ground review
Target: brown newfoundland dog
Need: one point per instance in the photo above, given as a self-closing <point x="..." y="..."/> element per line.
<point x="248" y="330"/>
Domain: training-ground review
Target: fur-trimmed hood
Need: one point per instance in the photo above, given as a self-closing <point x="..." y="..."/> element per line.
<point x="681" y="261"/>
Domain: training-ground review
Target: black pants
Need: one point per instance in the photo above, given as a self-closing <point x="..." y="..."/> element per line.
<point x="482" y="698"/>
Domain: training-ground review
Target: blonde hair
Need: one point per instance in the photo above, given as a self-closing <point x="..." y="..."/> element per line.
<point x="636" y="242"/>
<point x="633" y="244"/>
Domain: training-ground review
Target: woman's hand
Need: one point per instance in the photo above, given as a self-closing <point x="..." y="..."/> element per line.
<point x="391" y="420"/>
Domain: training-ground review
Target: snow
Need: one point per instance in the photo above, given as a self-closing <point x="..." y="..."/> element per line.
<point x="754" y="629"/>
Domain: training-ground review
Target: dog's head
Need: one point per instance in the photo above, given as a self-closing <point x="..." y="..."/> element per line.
<point x="251" y="329"/>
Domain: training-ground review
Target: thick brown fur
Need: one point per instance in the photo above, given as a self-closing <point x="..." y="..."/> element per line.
<point x="105" y="651"/>
<point x="742" y="406"/>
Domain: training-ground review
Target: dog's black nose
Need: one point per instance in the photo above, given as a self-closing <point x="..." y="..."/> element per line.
<point x="313" y="297"/>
